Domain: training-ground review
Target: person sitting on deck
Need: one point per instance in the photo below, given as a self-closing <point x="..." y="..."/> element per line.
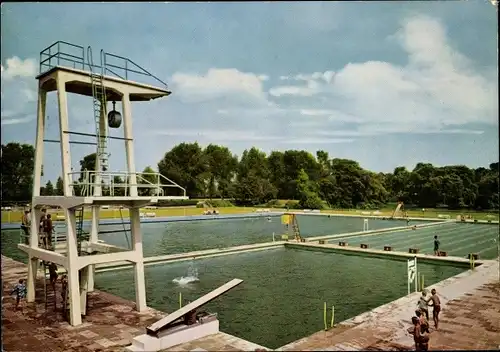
<point x="20" y="291"/>
<point x="436" y="245"/>
<point x="25" y="226"/>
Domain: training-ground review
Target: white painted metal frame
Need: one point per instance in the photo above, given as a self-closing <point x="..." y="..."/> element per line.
<point x="93" y="198"/>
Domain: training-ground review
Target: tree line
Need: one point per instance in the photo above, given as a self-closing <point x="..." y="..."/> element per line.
<point x="308" y="181"/>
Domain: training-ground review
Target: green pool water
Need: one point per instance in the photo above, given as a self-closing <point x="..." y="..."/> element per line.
<point x="281" y="298"/>
<point x="456" y="238"/>
<point x="185" y="236"/>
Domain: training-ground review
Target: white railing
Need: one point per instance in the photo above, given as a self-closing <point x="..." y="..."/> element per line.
<point x="153" y="181"/>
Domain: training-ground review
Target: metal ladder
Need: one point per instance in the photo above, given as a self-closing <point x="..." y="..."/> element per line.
<point x="99" y="102"/>
<point x="295" y="228"/>
<point x="80" y="234"/>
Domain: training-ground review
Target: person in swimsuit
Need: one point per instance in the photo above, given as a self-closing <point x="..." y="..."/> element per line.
<point x="421" y="341"/>
<point x="20" y="291"/>
<point x="436" y="303"/>
<point x="436" y="245"/>
<point x="423" y="303"/>
<point x="424" y="324"/>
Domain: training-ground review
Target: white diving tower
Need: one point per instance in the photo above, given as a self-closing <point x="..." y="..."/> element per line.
<point x="65" y="68"/>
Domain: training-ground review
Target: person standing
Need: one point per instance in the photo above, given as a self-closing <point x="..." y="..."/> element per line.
<point x="25" y="226"/>
<point x="436" y="304"/>
<point x="423" y="304"/>
<point x="436" y="246"/>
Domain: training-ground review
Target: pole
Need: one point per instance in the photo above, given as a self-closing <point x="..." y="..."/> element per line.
<point x="180" y="300"/>
<point x="273" y="237"/>
<point x="324" y="316"/>
<point x="333" y="315"/>
<point x="408" y="277"/>
<point x="416" y="275"/>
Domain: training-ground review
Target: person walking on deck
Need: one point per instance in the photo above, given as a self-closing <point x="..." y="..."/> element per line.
<point x="436" y="304"/>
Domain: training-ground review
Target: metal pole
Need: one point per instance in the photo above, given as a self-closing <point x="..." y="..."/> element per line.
<point x="408" y="275"/>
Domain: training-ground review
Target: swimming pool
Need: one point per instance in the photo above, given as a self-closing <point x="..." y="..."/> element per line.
<point x="458" y="239"/>
<point x="284" y="290"/>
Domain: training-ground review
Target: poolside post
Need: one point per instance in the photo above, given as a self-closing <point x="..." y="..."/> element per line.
<point x="324" y="317"/>
<point x="180" y="300"/>
<point x="273" y="237"/>
<point x="416" y="275"/>
<point x="333" y="315"/>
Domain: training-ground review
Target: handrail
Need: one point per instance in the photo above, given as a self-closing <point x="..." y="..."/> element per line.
<point x="127" y="65"/>
<point x="88" y="182"/>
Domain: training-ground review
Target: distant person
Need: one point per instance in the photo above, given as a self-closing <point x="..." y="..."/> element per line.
<point x="436" y="245"/>
<point x="53" y="275"/>
<point x="48" y="228"/>
<point x="436" y="304"/>
<point x="423" y="304"/>
<point x="25" y="226"/>
<point x="407" y="221"/>
<point x="41" y="237"/>
<point x="414" y="227"/>
<point x="20" y="291"/>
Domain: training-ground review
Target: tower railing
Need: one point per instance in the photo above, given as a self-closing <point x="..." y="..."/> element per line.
<point x="153" y="183"/>
<point x="66" y="54"/>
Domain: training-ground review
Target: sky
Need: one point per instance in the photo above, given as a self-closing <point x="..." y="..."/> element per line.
<point x="387" y="84"/>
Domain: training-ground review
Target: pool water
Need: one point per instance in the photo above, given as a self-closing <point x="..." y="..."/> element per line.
<point x="161" y="238"/>
<point x="282" y="296"/>
<point x="456" y="238"/>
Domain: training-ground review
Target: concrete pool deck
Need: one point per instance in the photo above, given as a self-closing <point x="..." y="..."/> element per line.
<point x="472" y="323"/>
<point x="469" y="319"/>
<point x="110" y="325"/>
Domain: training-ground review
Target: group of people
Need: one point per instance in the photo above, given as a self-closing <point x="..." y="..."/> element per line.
<point x="420" y="329"/>
<point x="20" y="290"/>
<point x="45" y="228"/>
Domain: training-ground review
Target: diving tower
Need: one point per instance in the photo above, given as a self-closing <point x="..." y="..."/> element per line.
<point x="68" y="68"/>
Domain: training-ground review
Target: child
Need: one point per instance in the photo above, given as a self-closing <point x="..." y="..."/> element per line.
<point x="20" y="291"/>
<point x="423" y="303"/>
<point x="436" y="304"/>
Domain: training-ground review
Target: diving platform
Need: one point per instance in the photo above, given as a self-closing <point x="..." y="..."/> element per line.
<point x="67" y="68"/>
<point x="183" y="325"/>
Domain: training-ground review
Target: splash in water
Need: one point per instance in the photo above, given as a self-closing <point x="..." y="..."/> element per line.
<point x="192" y="276"/>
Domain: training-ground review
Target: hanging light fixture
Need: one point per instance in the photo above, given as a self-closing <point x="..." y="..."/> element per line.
<point x="114" y="118"/>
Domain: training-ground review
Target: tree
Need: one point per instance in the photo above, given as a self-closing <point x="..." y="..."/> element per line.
<point x="147" y="177"/>
<point x="185" y="164"/>
<point x="307" y="194"/>
<point x="59" y="187"/>
<point x="221" y="169"/>
<point x="87" y="164"/>
<point x="48" y="190"/>
<point x="18" y="162"/>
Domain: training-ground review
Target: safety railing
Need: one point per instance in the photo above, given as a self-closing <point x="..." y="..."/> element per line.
<point x="153" y="183"/>
<point x="66" y="54"/>
<point x="60" y="54"/>
<point x="57" y="238"/>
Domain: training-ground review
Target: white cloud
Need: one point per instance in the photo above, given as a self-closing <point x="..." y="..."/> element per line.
<point x="16" y="67"/>
<point x="219" y="135"/>
<point x="438" y="88"/>
<point x="219" y="83"/>
<point x="18" y="91"/>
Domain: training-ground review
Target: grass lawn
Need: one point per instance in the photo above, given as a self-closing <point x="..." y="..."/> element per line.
<point x="15" y="216"/>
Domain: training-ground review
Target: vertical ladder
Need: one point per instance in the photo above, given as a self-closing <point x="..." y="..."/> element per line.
<point x="99" y="102"/>
<point x="80" y="235"/>
<point x="295" y="228"/>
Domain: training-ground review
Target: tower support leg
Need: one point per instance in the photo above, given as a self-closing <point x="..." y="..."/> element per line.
<point x="140" y="284"/>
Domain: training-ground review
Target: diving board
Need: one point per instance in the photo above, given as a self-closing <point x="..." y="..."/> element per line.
<point x="155" y="328"/>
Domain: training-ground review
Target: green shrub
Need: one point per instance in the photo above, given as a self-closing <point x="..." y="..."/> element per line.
<point x="177" y="203"/>
<point x="274" y="203"/>
<point x="292" y="204"/>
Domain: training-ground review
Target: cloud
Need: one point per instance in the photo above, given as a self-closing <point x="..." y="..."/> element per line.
<point x="19" y="93"/>
<point x="436" y="89"/>
<point x="219" y="83"/>
<point x="16" y="67"/>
